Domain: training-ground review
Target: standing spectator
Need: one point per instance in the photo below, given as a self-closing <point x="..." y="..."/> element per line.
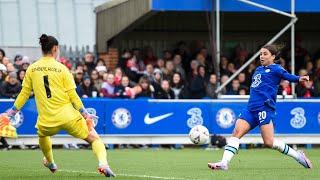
<point x="235" y="87"/>
<point x="310" y="69"/>
<point x="212" y="86"/>
<point x="208" y="60"/>
<point x="86" y="88"/>
<point x="165" y="91"/>
<point x="197" y="85"/>
<point x="136" y="53"/>
<point x="231" y="69"/>
<point x="96" y="80"/>
<point x="305" y="89"/>
<point x="21" y="73"/>
<point x="107" y="88"/>
<point x="5" y="61"/>
<point x="89" y="62"/>
<point x="317" y="86"/>
<point x="2" y="55"/>
<point x="224" y="79"/>
<point x="178" y="86"/>
<point x="12" y="87"/>
<point x="178" y="66"/>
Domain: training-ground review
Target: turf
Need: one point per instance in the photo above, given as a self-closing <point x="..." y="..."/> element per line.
<point x="158" y="164"/>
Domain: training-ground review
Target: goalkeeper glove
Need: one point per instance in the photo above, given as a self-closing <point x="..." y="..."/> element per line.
<point x="87" y="115"/>
<point x="12" y="112"/>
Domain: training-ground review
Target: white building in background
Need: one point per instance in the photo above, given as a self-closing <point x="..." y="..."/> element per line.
<point x="23" y="21"/>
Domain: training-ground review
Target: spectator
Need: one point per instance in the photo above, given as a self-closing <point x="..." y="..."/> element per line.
<point x="11" y="68"/>
<point x="178" y="86"/>
<point x="2" y="55"/>
<point x="167" y="55"/>
<point x="78" y="77"/>
<point x="89" y="62"/>
<point x="212" y="86"/>
<point x="169" y="70"/>
<point x="86" y="89"/>
<point x="25" y="62"/>
<point x="101" y="70"/>
<point x="224" y="79"/>
<point x="150" y="58"/>
<point x="160" y="64"/>
<point x="3" y="72"/>
<point x="165" y="91"/>
<point x="120" y="90"/>
<point x="149" y="72"/>
<point x="194" y="71"/>
<point x="231" y="69"/>
<point x="145" y="89"/>
<point x="96" y="80"/>
<point x="117" y="76"/>
<point x="310" y="69"/>
<point x="21" y="73"/>
<point x="243" y="80"/>
<point x="107" y="88"/>
<point x="157" y="78"/>
<point x="285" y="87"/>
<point x="136" y="53"/>
<point x="12" y="87"/>
<point x="243" y="91"/>
<point x="235" y="86"/>
<point x="223" y="65"/>
<point x="208" y="59"/>
<point x="197" y="84"/>
<point x="178" y="66"/>
<point x="305" y="89"/>
<point x="5" y="61"/>
<point x="317" y="86"/>
<point x="17" y="62"/>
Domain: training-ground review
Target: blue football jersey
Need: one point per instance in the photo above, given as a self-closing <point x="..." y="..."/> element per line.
<point x="264" y="86"/>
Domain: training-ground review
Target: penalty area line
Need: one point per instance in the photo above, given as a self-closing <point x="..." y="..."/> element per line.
<point x="126" y="175"/>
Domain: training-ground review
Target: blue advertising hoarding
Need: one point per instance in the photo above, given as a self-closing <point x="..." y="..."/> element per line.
<point x="176" y="117"/>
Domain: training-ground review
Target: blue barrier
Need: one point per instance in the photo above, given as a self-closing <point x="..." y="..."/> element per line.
<point x="176" y="117"/>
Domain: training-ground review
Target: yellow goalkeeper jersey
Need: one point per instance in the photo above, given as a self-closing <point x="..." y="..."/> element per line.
<point x="50" y="80"/>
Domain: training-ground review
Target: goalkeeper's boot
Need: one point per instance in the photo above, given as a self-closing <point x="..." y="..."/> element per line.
<point x="105" y="170"/>
<point x="218" y="166"/>
<point x="51" y="166"/>
<point x="304" y="161"/>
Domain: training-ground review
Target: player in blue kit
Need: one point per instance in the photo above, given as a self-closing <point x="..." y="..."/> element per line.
<point x="261" y="110"/>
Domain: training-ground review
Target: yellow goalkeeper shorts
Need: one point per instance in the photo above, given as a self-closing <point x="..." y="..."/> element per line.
<point x="77" y="128"/>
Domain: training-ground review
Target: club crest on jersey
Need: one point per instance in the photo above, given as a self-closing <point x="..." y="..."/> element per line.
<point x="93" y="111"/>
<point x="225" y="118"/>
<point x="319" y="118"/>
<point x="196" y="117"/>
<point x="121" y="118"/>
<point x="267" y="70"/>
<point x="299" y="120"/>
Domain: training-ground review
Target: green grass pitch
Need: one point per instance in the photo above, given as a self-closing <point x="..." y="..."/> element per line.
<point x="158" y="164"/>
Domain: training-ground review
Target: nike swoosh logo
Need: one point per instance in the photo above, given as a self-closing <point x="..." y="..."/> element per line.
<point x="149" y="120"/>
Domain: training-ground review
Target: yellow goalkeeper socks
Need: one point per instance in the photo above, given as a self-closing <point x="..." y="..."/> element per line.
<point x="100" y="151"/>
<point x="46" y="147"/>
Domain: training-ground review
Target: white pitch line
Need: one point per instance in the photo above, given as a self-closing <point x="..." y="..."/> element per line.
<point x="127" y="175"/>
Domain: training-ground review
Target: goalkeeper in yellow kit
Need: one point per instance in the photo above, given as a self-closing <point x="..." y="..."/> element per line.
<point x="59" y="107"/>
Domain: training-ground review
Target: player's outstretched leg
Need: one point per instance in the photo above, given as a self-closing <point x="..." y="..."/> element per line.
<point x="46" y="147"/>
<point x="100" y="151"/>
<point x="299" y="156"/>
<point x="267" y="132"/>
<point x="242" y="127"/>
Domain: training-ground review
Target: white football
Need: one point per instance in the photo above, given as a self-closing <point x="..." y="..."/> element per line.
<point x="199" y="135"/>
